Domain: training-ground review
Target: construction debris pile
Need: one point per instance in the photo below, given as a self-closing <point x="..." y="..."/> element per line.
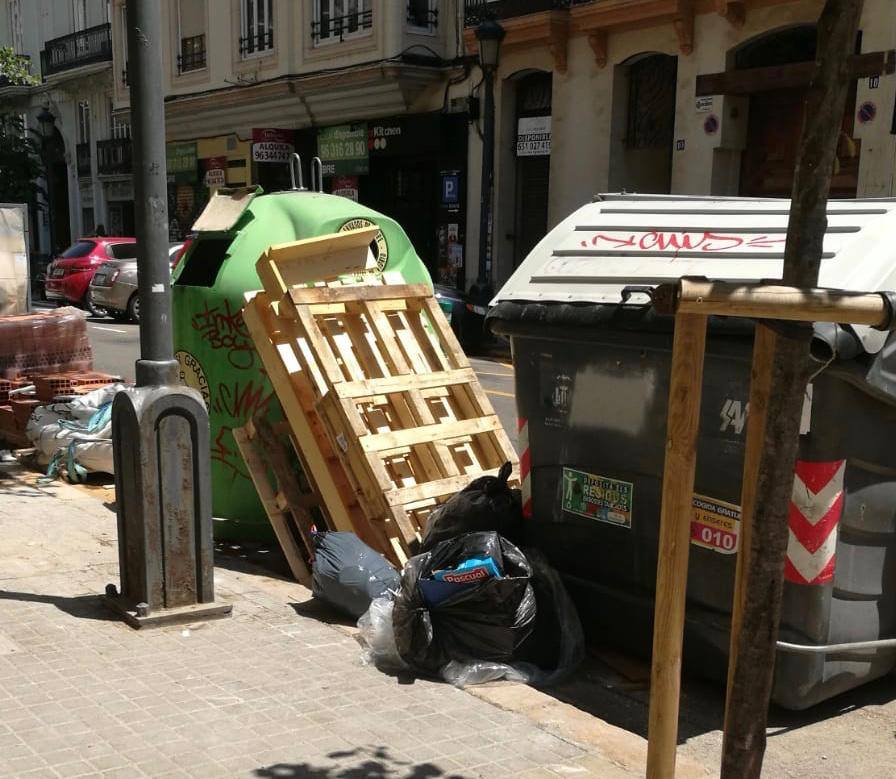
<point x="43" y="357"/>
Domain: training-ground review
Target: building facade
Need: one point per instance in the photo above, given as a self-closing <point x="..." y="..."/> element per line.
<point x="68" y="44"/>
<point x="689" y="97"/>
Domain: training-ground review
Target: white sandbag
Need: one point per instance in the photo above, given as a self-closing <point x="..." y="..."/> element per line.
<point x="76" y="436"/>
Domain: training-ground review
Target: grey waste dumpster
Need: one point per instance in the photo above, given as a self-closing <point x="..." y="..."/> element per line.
<point x="592" y="371"/>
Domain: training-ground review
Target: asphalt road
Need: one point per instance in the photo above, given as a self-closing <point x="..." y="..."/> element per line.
<point x="116" y="347"/>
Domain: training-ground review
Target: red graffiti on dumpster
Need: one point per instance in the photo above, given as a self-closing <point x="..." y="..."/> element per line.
<point x="704" y="241"/>
<point x="223" y="328"/>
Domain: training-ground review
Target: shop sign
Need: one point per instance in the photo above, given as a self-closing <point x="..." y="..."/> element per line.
<point x="272" y="145"/>
<point x="450" y="189"/>
<point x="405" y="136"/>
<point x="346" y="186"/>
<point x="343" y="149"/>
<point x="533" y="136"/>
<point x="181" y="161"/>
<point x="215" y="175"/>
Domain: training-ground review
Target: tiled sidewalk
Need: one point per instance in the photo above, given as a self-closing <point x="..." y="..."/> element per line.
<point x="266" y="693"/>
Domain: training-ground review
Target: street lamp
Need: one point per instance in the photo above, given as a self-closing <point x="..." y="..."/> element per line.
<point x="47" y="123"/>
<point x="489" y="33"/>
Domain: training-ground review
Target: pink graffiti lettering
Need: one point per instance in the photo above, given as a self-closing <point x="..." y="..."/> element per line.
<point x="683" y="241"/>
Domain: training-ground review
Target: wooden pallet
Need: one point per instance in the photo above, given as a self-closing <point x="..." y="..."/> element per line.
<point x="286" y="500"/>
<point x="371" y="375"/>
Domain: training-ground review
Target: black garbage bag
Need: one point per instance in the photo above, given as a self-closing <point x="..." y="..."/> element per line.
<point x="485" y="620"/>
<point x="486" y="503"/>
<point x="348" y="574"/>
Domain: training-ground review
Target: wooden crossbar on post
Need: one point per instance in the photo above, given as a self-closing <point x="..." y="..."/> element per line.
<point x="692" y="302"/>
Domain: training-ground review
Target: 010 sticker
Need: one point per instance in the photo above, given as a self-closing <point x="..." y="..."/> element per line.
<point x="597" y="497"/>
<point x="715" y="524"/>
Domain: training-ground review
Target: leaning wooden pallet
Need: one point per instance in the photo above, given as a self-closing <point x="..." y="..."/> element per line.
<point x="273" y="339"/>
<point x="401" y="405"/>
<point x="286" y="500"/>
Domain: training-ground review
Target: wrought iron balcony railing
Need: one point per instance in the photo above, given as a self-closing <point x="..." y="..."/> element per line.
<point x="422" y="15"/>
<point x="113" y="157"/>
<point x="476" y="11"/>
<point x="341" y="27"/>
<point x="255" y="44"/>
<point x="82" y="152"/>
<point x="85" y="47"/>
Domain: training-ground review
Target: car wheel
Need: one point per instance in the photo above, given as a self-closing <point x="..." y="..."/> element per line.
<point x="134" y="308"/>
<point x="92" y="308"/>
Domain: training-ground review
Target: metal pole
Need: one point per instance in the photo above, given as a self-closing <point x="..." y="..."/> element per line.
<point x="156" y="366"/>
<point x="488" y="164"/>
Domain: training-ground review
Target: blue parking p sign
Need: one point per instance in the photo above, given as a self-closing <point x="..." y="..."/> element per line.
<point x="450" y="189"/>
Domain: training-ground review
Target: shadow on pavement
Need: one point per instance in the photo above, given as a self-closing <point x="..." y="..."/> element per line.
<point x="80" y="607"/>
<point x="375" y="763"/>
<point x="622" y="698"/>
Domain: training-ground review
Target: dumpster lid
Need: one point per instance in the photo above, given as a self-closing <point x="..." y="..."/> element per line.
<point x="224" y="209"/>
<point x="622" y="240"/>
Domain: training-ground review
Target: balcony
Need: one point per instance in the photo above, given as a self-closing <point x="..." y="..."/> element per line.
<point x="477" y="10"/>
<point x="341" y="27"/>
<point x="256" y="44"/>
<point x="80" y="48"/>
<point x="82" y="152"/>
<point x="114" y="157"/>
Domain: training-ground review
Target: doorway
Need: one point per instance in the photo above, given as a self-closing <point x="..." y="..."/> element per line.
<point x="776" y="118"/>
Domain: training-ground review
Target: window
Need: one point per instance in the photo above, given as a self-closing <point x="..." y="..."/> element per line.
<point x="191" y="31"/>
<point x="124" y="44"/>
<point x="83" y="122"/>
<point x="122" y="251"/>
<point x="121" y="127"/>
<point x="257" y="27"/>
<point x="336" y="20"/>
<point x="79" y="14"/>
<point x="423" y="15"/>
<point x="78" y="249"/>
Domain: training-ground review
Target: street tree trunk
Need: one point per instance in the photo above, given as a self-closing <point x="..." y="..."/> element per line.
<point x="752" y="675"/>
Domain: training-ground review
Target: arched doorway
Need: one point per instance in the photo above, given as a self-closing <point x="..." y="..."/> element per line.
<point x="533" y="161"/>
<point x="56" y="172"/>
<point x="776" y="119"/>
<point x="643" y="124"/>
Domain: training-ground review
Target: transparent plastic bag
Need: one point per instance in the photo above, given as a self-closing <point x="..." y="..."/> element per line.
<point x="378" y="637"/>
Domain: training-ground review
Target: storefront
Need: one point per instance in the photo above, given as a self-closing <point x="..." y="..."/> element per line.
<point x="185" y="196"/>
<point x="413" y="169"/>
<point x="272" y="149"/>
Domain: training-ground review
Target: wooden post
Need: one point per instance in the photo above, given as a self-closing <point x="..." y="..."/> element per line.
<point x="682" y="427"/>
<point x="764" y="345"/>
<point x="759" y="609"/>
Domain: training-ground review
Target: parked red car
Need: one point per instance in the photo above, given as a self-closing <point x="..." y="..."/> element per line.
<point x="69" y="275"/>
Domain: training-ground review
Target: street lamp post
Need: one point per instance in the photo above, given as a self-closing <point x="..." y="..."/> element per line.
<point x="160" y="430"/>
<point x="489" y="33"/>
<point x="47" y="123"/>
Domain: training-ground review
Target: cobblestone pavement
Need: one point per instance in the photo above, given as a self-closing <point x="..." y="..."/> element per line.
<point x="270" y="692"/>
